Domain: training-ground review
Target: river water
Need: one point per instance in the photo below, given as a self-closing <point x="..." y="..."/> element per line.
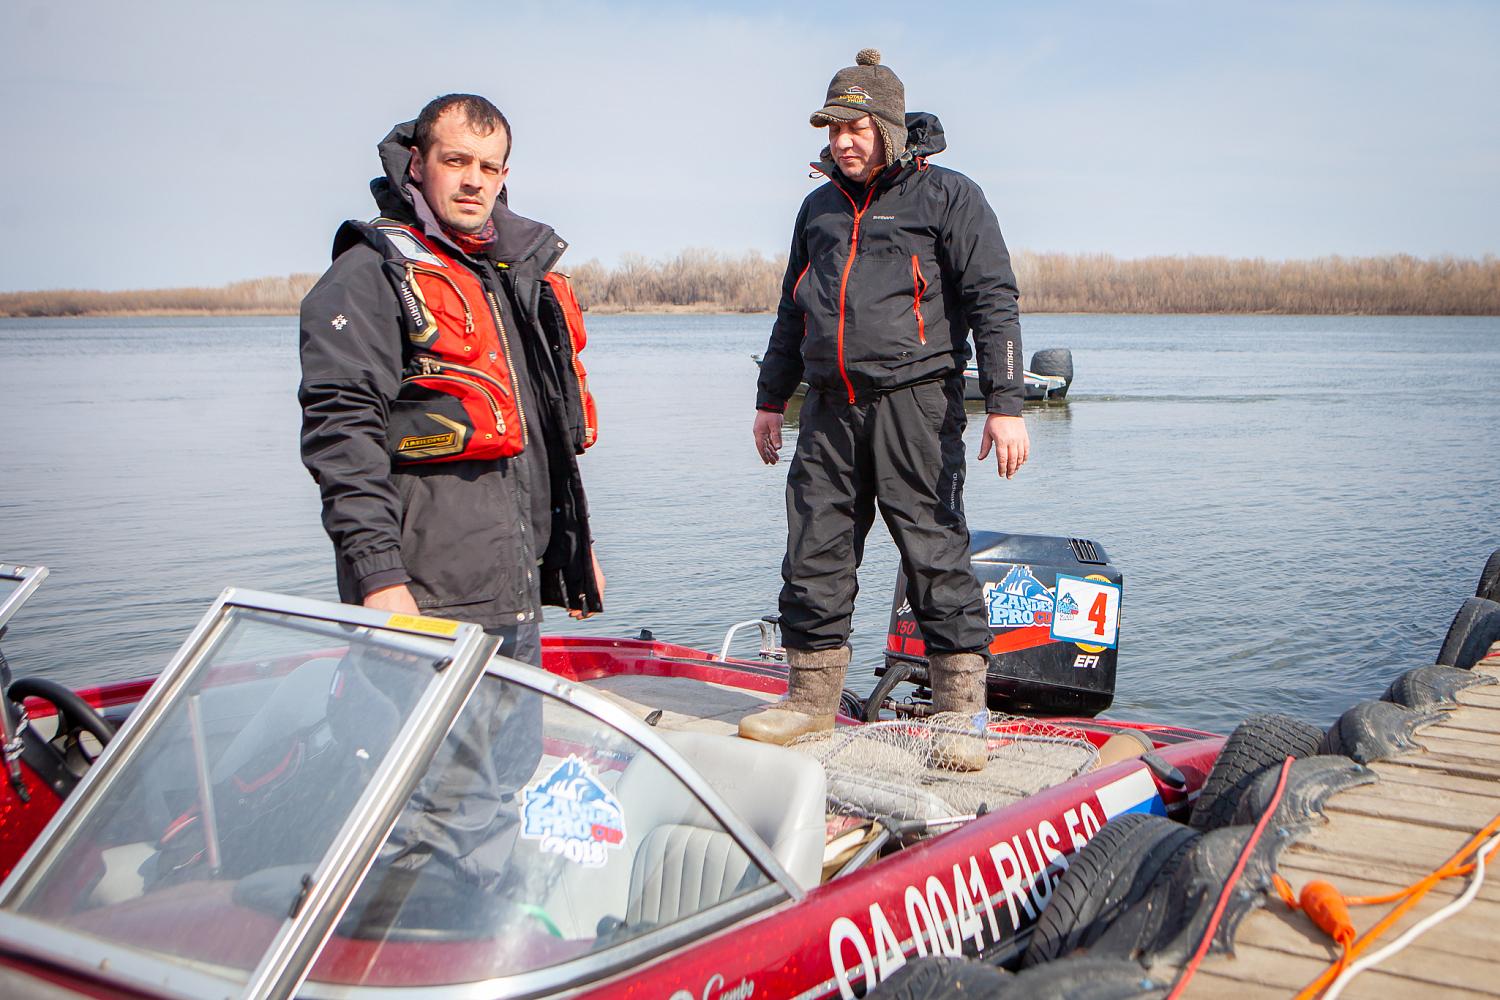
<point x="1298" y="504"/>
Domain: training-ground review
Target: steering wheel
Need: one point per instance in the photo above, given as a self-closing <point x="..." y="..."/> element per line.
<point x="74" y="715"/>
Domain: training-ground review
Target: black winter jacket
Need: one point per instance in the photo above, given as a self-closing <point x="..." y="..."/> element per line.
<point x="927" y="266"/>
<point x="458" y="533"/>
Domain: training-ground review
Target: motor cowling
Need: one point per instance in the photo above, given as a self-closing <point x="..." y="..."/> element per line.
<point x="1053" y="606"/>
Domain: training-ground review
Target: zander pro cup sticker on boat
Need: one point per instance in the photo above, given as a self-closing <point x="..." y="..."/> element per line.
<point x="571" y="814"/>
<point x="1018" y="601"/>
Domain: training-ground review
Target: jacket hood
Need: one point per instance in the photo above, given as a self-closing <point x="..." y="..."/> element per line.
<point x="924" y="137"/>
<point x="924" y="134"/>
<point x="518" y="239"/>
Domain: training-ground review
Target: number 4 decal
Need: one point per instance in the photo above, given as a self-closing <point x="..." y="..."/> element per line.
<point x="1087" y="611"/>
<point x="1097" y="613"/>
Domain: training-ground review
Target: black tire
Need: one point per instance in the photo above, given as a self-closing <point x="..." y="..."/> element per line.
<point x="1432" y="687"/>
<point x="1110" y="874"/>
<point x="1475" y="628"/>
<point x="1489" y="579"/>
<point x="1261" y="741"/>
<point x="1054" y="361"/>
<point x="940" y="978"/>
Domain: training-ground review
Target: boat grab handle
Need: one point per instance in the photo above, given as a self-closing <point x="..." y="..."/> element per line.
<point x="770" y="638"/>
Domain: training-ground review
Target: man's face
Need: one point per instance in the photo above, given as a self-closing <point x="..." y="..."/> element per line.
<point x="856" y="148"/>
<point x="462" y="173"/>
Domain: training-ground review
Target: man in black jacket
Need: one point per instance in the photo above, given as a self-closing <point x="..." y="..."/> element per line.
<point x="450" y="282"/>
<point x="443" y="412"/>
<point x="893" y="263"/>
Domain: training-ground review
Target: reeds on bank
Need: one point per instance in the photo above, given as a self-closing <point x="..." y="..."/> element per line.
<point x="258" y="296"/>
<point x="1395" y="285"/>
<point x="708" y="281"/>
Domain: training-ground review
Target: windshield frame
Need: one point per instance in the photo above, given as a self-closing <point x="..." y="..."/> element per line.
<point x="291" y="953"/>
<point x="28" y="579"/>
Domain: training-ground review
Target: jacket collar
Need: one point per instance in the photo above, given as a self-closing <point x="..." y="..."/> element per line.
<point x="887" y="177"/>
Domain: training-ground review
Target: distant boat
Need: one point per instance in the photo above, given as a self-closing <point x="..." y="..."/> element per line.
<point x="1048" y="378"/>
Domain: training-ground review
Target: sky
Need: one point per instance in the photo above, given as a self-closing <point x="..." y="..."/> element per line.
<point x="165" y="144"/>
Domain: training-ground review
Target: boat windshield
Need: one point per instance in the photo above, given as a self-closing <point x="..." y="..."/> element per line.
<point x="201" y="837"/>
<point x="540" y="840"/>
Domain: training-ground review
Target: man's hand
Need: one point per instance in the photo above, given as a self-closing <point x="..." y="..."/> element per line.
<point x="767" y="436"/>
<point x="599" y="579"/>
<point x="397" y="600"/>
<point x="1007" y="435"/>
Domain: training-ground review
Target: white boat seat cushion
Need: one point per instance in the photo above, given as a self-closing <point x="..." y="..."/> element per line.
<point x="781" y="794"/>
<point x="681" y="869"/>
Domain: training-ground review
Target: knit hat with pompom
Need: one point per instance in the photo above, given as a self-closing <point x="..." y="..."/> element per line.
<point x="868" y="88"/>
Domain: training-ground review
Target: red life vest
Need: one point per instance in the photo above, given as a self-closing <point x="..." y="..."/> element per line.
<point x="459" y="397"/>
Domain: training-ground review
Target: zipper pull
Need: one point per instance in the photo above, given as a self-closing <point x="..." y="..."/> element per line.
<point x="429" y="365"/>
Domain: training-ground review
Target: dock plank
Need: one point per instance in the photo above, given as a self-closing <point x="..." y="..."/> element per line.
<point x="1293" y="935"/>
<point x="1449" y="764"/>
<point x="1402" y="772"/>
<point x="1455" y="745"/>
<point x="1431" y="806"/>
<point x="1473" y="718"/>
<point x="1287" y="973"/>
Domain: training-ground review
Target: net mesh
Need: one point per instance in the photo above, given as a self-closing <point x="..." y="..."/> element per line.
<point x="888" y="769"/>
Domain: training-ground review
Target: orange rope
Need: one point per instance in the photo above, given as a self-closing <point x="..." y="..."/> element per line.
<point x="1318" y="899"/>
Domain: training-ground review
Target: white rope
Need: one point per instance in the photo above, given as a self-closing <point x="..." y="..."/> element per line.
<point x="1419" y="928"/>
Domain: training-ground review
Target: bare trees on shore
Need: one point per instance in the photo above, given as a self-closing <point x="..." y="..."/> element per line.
<point x="709" y="281"/>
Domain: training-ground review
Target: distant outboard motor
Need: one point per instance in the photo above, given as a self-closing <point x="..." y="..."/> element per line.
<point x="1053" y="605"/>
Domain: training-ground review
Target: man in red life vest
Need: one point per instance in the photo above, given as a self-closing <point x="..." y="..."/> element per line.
<point x="894" y="262"/>
<point x="444" y="405"/>
<point x="444" y="408"/>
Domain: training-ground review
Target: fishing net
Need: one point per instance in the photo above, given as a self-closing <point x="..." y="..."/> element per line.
<point x="887" y="769"/>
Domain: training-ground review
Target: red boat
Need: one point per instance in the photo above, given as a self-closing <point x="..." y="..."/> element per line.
<point x="254" y="826"/>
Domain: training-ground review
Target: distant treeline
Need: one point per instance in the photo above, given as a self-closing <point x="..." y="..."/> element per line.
<point x="259" y="296"/>
<point x="1398" y="285"/>
<point x="705" y="281"/>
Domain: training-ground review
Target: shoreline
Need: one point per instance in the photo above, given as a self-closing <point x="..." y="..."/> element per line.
<point x="710" y="309"/>
<point x="702" y="282"/>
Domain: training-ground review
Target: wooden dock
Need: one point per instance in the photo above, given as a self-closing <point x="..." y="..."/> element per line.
<point x="1379" y="838"/>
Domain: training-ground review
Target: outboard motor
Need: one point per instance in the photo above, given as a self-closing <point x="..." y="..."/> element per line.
<point x="1053" y="606"/>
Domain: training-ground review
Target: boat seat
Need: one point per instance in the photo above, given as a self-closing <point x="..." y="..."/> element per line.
<point x="681" y="869"/>
<point x="781" y="794"/>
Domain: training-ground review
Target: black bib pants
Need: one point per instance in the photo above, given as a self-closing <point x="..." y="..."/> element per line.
<point x="903" y="451"/>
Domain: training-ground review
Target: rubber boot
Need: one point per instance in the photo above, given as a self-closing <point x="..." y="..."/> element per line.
<point x="814" y="682"/>
<point x="958" y="688"/>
